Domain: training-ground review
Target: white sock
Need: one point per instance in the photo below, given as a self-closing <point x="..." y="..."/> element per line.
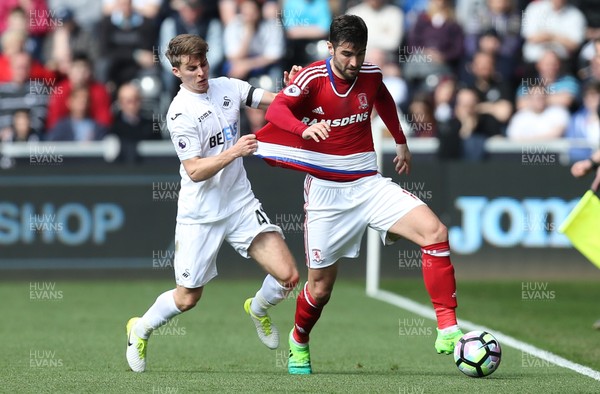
<point x="163" y="310"/>
<point x="271" y="293"/>
<point x="449" y="330"/>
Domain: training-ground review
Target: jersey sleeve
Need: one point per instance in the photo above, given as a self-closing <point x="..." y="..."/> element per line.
<point x="386" y="108"/>
<point x="184" y="134"/>
<point x="249" y="95"/>
<point x="280" y="112"/>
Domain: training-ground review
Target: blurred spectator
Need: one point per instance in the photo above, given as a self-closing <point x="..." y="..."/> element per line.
<point x="80" y="77"/>
<point x="227" y="10"/>
<point x="562" y="89"/>
<point x="126" y="42"/>
<point x="31" y="15"/>
<point x="130" y="125"/>
<point x="66" y="39"/>
<point x="78" y="125"/>
<point x="147" y="8"/>
<point x="392" y="77"/>
<point x="591" y="72"/>
<point x="464" y="135"/>
<point x="191" y="18"/>
<point x="584" y="127"/>
<point x="87" y="13"/>
<point x="538" y="121"/>
<point x="20" y="129"/>
<point x="412" y="9"/>
<point x="420" y="117"/>
<point x="306" y="23"/>
<point x="386" y="26"/>
<point x="495" y="96"/>
<point x="495" y="29"/>
<point x="24" y="92"/>
<point x="591" y="11"/>
<point x="551" y="25"/>
<point x="466" y="10"/>
<point x="253" y="46"/>
<point x="434" y="45"/>
<point x="253" y="49"/>
<point x="443" y="99"/>
<point x="13" y="43"/>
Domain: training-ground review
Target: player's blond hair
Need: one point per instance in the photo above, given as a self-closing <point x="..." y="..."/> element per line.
<point x="188" y="45"/>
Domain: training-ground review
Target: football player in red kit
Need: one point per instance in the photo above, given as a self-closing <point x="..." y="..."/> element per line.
<point x="321" y="125"/>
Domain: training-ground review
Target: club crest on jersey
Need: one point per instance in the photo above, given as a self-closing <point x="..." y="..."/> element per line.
<point x="363" y="103"/>
<point x="226" y="102"/>
<point x="183" y="143"/>
<point x="292" y="91"/>
<point x="316" y="255"/>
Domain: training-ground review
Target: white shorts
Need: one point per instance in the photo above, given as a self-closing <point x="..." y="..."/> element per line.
<point x="337" y="214"/>
<point x="197" y="245"/>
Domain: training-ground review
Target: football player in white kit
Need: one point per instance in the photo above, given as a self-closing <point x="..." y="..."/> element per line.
<point x="216" y="202"/>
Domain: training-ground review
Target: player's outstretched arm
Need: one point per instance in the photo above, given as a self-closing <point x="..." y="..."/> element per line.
<point x="202" y="168"/>
<point x="402" y="159"/>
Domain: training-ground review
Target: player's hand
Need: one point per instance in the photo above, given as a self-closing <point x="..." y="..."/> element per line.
<point x="289" y="76"/>
<point x="246" y="145"/>
<point x="581" y="168"/>
<point x="318" y="131"/>
<point x="402" y="159"/>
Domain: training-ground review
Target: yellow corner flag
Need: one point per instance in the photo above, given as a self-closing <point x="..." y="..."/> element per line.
<point x="582" y="227"/>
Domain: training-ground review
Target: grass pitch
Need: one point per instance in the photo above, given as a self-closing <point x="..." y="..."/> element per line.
<point x="69" y="337"/>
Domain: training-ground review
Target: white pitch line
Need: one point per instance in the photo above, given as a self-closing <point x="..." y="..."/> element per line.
<point x="504" y="339"/>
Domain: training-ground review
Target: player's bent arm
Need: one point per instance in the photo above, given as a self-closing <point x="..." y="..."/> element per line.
<point x="280" y="114"/>
<point x="386" y="108"/>
<point x="202" y="168"/>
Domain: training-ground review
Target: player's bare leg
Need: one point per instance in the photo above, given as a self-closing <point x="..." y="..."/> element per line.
<point x="271" y="252"/>
<point x="167" y="305"/>
<point x="424" y="228"/>
<point x="309" y="305"/>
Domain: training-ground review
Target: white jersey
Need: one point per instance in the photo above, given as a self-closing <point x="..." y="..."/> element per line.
<point x="205" y="125"/>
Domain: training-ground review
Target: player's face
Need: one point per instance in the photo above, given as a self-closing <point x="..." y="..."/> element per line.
<point x="193" y="73"/>
<point x="347" y="59"/>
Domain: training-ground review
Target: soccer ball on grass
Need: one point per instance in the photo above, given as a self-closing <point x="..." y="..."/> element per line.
<point x="477" y="354"/>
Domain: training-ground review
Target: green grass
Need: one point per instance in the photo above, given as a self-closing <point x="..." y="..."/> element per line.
<point x="76" y="343"/>
<point x="558" y="319"/>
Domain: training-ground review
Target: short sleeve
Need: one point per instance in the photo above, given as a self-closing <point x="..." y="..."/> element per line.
<point x="249" y="95"/>
<point x="184" y="135"/>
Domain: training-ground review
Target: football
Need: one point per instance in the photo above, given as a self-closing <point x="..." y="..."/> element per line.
<point x="477" y="354"/>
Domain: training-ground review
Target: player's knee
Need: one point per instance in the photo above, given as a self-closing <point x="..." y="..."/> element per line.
<point x="438" y="234"/>
<point x="321" y="295"/>
<point x="187" y="301"/>
<point x="290" y="280"/>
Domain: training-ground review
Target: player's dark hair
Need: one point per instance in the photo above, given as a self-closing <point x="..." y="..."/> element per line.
<point x="189" y="45"/>
<point x="349" y="29"/>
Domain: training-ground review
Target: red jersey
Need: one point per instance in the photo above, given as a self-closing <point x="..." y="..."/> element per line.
<point x="316" y="95"/>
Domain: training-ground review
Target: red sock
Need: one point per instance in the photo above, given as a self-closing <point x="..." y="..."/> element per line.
<point x="307" y="314"/>
<point x="438" y="275"/>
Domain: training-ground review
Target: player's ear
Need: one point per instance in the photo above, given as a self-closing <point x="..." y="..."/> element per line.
<point x="176" y="72"/>
<point x="330" y="47"/>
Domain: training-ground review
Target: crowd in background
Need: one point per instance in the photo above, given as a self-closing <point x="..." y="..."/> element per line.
<point x="461" y="71"/>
